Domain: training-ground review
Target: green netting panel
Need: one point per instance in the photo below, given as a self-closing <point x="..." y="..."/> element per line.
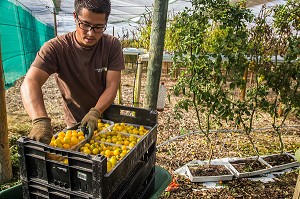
<point x="21" y="36"/>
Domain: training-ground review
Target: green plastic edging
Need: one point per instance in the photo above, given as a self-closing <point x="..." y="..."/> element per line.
<point x="14" y="192"/>
<point x="162" y="180"/>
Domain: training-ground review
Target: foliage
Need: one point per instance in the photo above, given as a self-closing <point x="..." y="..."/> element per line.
<point x="144" y="30"/>
<point x="274" y="49"/>
<point x="219" y="50"/>
<point x="140" y="37"/>
<point x="15" y="163"/>
<point x="128" y="38"/>
<point x="212" y="36"/>
<point x="14" y="152"/>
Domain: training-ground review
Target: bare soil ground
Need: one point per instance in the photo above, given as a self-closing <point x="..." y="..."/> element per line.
<point x="173" y="154"/>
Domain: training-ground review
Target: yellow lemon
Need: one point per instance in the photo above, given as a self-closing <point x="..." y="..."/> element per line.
<point x="66" y="161"/>
<point x="95" y="151"/>
<point x="61" y="134"/>
<point x="81" y="137"/>
<point x="87" y="151"/>
<point x="109" y="166"/>
<point x="74" y="140"/>
<point x="66" y="146"/>
<point x="80" y="133"/>
<point x="67" y="140"/>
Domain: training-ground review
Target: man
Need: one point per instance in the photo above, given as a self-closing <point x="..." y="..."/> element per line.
<point x="87" y="66"/>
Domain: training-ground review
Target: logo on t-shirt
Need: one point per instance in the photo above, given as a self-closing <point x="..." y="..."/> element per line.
<point x="99" y="70"/>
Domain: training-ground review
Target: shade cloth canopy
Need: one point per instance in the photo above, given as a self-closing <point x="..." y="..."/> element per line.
<point x="124" y="15"/>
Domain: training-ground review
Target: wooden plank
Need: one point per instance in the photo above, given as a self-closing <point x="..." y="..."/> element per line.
<point x="137" y="85"/>
<point x="119" y="94"/>
<point x="297" y="188"/>
<point x="5" y="163"/>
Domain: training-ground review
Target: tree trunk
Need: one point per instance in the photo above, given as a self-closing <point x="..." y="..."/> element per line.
<point x="157" y="36"/>
<point x="280" y="109"/>
<point x="5" y="163"/>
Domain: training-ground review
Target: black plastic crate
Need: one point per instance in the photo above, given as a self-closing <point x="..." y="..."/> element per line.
<point x="87" y="174"/>
<point x="131" y="115"/>
<point x="137" y="184"/>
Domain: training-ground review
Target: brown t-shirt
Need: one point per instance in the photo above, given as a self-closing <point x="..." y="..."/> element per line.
<point x="80" y="72"/>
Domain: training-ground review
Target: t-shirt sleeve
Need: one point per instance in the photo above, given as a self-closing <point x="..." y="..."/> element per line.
<point x="116" y="59"/>
<point x="46" y="58"/>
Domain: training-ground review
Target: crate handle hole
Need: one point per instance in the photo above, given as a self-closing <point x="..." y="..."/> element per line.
<point x="127" y="113"/>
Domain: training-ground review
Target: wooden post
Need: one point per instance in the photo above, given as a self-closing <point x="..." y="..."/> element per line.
<point x="55" y="23"/>
<point x="137" y="84"/>
<point x="119" y="93"/>
<point x="5" y="163"/>
<point x="297" y="188"/>
<point x="157" y="36"/>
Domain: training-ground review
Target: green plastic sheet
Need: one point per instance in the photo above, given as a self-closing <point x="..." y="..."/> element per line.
<point x="21" y="36"/>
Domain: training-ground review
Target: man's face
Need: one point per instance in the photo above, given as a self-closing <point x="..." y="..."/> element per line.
<point x="89" y="27"/>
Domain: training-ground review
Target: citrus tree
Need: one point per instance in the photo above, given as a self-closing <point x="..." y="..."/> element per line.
<point x="276" y="46"/>
<point x="213" y="37"/>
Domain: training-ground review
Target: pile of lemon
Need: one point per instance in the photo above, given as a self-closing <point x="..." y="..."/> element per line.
<point x="67" y="139"/>
<point x="114" y="153"/>
<point x="111" y="140"/>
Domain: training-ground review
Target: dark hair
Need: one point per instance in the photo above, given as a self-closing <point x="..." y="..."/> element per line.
<point x="96" y="6"/>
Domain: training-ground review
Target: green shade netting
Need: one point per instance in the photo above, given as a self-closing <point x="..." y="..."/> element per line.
<point x="21" y="36"/>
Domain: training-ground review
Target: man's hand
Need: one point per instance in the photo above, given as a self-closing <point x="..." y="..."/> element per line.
<point x="90" y="121"/>
<point x="41" y="130"/>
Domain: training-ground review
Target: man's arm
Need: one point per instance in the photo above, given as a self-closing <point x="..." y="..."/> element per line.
<point x="31" y="92"/>
<point x="108" y="96"/>
<point x="32" y="97"/>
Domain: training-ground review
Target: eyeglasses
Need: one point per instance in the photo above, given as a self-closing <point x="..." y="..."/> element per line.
<point x="87" y="27"/>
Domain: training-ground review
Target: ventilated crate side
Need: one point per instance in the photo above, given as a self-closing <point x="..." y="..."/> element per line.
<point x="131" y="115"/>
<point x="114" y="178"/>
<point x="137" y="184"/>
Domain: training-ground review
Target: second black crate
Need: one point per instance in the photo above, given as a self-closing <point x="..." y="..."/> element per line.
<point x="137" y="182"/>
<point x="135" y="189"/>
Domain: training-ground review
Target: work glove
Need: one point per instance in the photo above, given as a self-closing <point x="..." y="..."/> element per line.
<point x="89" y="123"/>
<point x="41" y="130"/>
<point x="75" y="127"/>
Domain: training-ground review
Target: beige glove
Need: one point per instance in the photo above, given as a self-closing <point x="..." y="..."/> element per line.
<point x="41" y="130"/>
<point x="90" y="121"/>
